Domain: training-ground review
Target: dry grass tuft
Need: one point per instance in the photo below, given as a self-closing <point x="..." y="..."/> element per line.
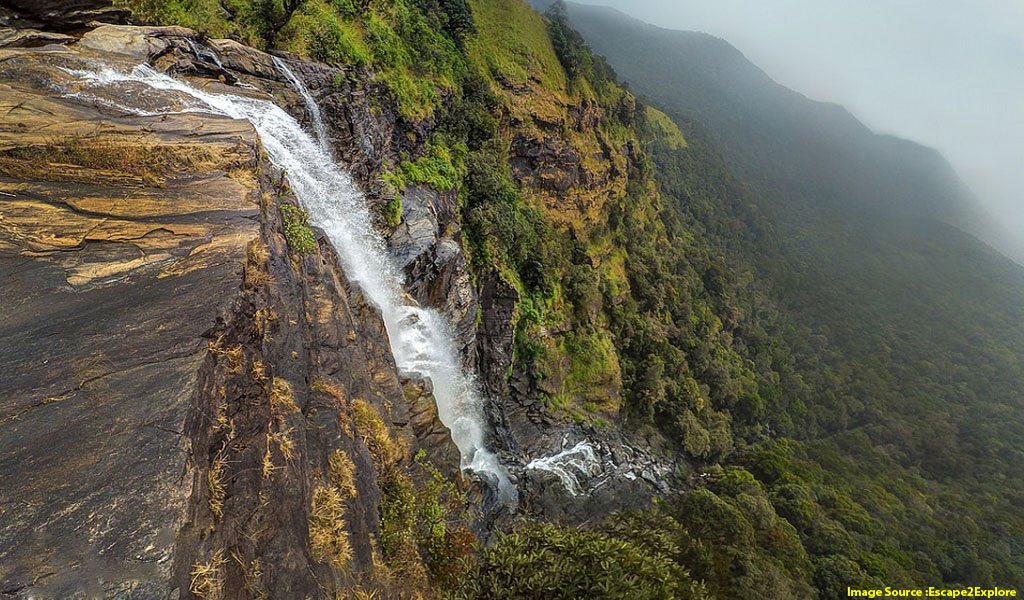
<point x="284" y="443"/>
<point x="256" y="267"/>
<point x="259" y="371"/>
<point x="341" y="473"/>
<point x="215" y="483"/>
<point x="206" y="581"/>
<point x="252" y="573"/>
<point x="233" y="355"/>
<point x="328" y="538"/>
<point x="384" y="449"/>
<point x="330" y="388"/>
<point x="268" y="457"/>
<point x="263" y="318"/>
<point x="282" y="398"/>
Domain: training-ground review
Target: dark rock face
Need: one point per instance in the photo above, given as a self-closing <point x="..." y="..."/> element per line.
<point x="178" y="383"/>
<point x="109" y="286"/>
<point x="425" y="244"/>
<point x="419" y="414"/>
<point x="547" y="163"/>
<point x="62" y="15"/>
<point x="274" y="406"/>
<point x="495" y="334"/>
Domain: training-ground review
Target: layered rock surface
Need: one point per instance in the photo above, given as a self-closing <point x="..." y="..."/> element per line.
<point x="121" y="243"/>
<point x="178" y="385"/>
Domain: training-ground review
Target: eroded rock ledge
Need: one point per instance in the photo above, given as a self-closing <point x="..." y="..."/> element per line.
<point x="189" y="407"/>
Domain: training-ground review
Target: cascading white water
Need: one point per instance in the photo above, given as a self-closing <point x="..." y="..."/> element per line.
<point x="569" y="465"/>
<point x="201" y="54"/>
<point x="311" y="106"/>
<point x="420" y="338"/>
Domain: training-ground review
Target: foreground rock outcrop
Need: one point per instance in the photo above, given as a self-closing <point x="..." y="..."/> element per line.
<point x="191" y="406"/>
<point x="122" y="244"/>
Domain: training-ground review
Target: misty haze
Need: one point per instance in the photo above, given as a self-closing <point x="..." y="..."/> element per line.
<point x="944" y="74"/>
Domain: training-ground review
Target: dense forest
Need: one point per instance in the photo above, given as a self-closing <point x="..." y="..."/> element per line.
<point x="735" y="275"/>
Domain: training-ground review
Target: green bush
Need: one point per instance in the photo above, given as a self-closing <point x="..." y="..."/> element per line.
<point x="392" y="211"/>
<point x="300" y="237"/>
<point x="545" y="561"/>
<point x="442" y="167"/>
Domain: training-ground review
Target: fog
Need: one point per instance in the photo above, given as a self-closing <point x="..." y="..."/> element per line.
<point x="945" y="73"/>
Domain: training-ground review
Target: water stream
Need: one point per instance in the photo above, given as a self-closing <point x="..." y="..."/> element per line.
<point x="421" y="339"/>
<point x="311" y="106"/>
<point x="570" y="466"/>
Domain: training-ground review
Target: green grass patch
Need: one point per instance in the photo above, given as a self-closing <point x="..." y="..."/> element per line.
<point x="664" y="128"/>
<point x="513" y="43"/>
<point x="392" y="211"/>
<point x="301" y="240"/>
<point x="443" y="168"/>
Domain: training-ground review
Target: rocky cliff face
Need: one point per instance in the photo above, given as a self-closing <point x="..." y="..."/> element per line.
<point x="192" y="408"/>
<point x="197" y="407"/>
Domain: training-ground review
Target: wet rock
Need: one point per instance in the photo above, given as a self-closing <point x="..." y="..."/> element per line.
<point x="140" y="43"/>
<point x="64" y="15"/>
<point x="495" y="334"/>
<point x="587" y="485"/>
<point x="436" y="271"/>
<point x="25" y="38"/>
<point x="423" y="220"/>
<point x="245" y="59"/>
<point x="431" y="435"/>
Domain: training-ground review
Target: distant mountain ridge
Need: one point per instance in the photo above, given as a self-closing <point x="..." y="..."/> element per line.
<point x="769" y="133"/>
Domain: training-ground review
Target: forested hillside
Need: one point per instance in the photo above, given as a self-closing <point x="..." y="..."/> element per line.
<point x="659" y="251"/>
<point x="907" y="332"/>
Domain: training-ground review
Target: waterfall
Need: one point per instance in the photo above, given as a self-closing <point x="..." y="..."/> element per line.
<point x="311" y="106"/>
<point x="569" y="465"/>
<point x="421" y="340"/>
<point x="203" y="54"/>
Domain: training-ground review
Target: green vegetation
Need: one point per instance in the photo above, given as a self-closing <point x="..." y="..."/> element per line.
<point x="301" y="240"/>
<point x="442" y="167"/>
<point x="658" y="125"/>
<point x="392" y="211"/>
<point x="411" y="45"/>
<point x="512" y="44"/>
<point x="544" y="561"/>
<point x="863" y="374"/>
<point x="423" y="538"/>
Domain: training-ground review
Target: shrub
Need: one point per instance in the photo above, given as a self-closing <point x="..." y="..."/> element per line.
<point x="545" y="561"/>
<point x="300" y="237"/>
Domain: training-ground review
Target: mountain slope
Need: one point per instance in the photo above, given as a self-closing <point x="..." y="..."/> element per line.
<point x="768" y="132"/>
<point x="646" y="324"/>
<point x="908" y="338"/>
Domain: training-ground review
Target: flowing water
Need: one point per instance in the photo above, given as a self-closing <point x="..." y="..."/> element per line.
<point x="570" y="465"/>
<point x="311" y="106"/>
<point x="420" y="338"/>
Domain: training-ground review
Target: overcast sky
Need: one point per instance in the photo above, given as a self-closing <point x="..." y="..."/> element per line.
<point x="946" y="73"/>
